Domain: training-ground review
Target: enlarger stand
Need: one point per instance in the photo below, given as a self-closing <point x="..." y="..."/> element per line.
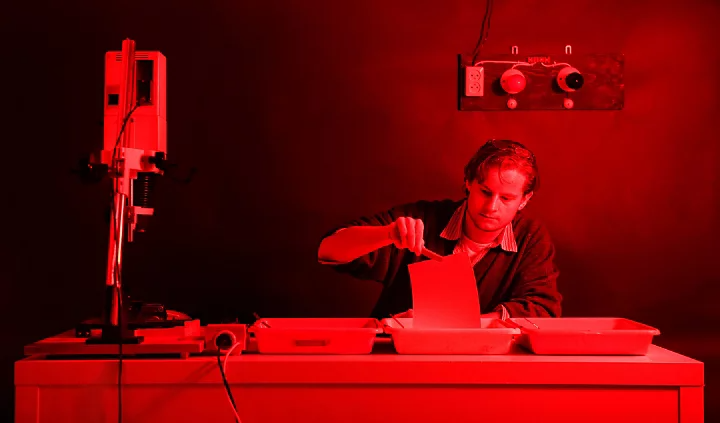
<point x="134" y="98"/>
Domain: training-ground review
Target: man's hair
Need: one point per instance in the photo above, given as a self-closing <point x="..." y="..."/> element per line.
<point x="503" y="154"/>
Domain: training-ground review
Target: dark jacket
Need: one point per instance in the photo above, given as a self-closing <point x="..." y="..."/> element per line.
<point x="524" y="282"/>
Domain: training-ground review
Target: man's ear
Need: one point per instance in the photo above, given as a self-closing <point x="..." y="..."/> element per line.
<point x="525" y="200"/>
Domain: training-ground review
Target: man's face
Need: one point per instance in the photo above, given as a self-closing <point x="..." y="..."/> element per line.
<point x="493" y="203"/>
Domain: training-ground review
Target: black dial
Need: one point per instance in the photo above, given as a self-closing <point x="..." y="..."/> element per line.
<point x="574" y="80"/>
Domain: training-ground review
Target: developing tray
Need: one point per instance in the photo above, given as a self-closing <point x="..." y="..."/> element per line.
<point x="315" y="335"/>
<point x="492" y="337"/>
<point x="585" y="335"/>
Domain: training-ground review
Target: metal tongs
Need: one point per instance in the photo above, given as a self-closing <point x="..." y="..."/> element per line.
<point x="531" y="322"/>
<point x="261" y="321"/>
<point x="392" y="316"/>
<point x="519" y="326"/>
<point x="432" y="255"/>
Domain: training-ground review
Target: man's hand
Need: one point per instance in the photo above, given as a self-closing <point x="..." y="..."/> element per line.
<point x="407" y="232"/>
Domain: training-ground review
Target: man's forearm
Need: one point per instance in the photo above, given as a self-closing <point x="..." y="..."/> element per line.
<point x="350" y="243"/>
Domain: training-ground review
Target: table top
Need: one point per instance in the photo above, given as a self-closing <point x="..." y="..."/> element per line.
<point x="660" y="367"/>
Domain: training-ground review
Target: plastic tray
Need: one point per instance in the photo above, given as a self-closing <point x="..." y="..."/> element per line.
<point x="493" y="337"/>
<point x="585" y="335"/>
<point x="315" y="335"/>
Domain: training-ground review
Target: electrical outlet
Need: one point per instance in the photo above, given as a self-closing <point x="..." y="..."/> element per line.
<point x="474" y="81"/>
<point x="220" y="337"/>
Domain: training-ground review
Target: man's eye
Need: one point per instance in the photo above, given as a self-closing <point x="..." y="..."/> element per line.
<point x="505" y="199"/>
<point x="486" y="192"/>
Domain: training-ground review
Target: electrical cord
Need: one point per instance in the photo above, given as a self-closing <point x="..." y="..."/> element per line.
<point x="225" y="382"/>
<point x="120" y="357"/>
<point x="118" y="283"/>
<point x="484" y="31"/>
<point x="223" y="368"/>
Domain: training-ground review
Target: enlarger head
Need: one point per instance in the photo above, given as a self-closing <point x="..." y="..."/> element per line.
<point x="135" y="128"/>
<point x="148" y="131"/>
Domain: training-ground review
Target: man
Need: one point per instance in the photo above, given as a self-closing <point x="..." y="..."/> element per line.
<point x="512" y="254"/>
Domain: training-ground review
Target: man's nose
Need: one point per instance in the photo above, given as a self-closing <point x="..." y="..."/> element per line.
<point x="493" y="203"/>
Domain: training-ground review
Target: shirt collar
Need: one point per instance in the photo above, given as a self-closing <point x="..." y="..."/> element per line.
<point x="453" y="230"/>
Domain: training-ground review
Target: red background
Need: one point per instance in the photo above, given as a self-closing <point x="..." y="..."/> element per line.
<point x="300" y="115"/>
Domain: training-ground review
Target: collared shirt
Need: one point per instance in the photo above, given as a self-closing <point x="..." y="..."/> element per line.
<point x="476" y="251"/>
<point x="453" y="231"/>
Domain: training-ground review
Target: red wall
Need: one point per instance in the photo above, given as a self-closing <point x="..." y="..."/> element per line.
<point x="300" y="115"/>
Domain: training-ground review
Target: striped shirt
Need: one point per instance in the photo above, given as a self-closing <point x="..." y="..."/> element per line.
<point x="476" y="251"/>
<point x="453" y="232"/>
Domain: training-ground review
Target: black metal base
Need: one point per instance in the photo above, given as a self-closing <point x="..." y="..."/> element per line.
<point x="85" y="328"/>
<point x="111" y="333"/>
<point x="114" y="335"/>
